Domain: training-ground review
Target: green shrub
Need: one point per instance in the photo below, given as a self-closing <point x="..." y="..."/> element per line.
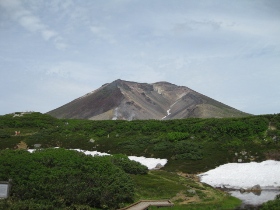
<point x="64" y="178"/>
<point x="4" y="134"/>
<point x="272" y="205"/>
<point x="129" y="166"/>
<point x="177" y="136"/>
<point x="164" y="145"/>
<point x="188" y="150"/>
<point x="10" y="204"/>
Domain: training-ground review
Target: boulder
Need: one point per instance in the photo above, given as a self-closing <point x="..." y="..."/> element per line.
<point x="158" y="166"/>
<point x="256" y="188"/>
<point x="92" y="140"/>
<point x="242" y="190"/>
<point x="191" y="191"/>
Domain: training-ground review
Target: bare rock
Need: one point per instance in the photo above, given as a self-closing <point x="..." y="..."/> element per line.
<point x="158" y="166"/>
<point x="256" y="188"/>
<point x="242" y="190"/>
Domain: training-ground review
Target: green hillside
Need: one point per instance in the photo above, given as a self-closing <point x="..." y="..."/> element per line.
<point x="190" y="145"/>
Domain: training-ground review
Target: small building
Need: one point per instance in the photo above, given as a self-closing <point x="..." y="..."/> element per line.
<point x="4" y="189"/>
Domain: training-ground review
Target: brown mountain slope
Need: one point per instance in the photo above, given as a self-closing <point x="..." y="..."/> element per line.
<point x="130" y="100"/>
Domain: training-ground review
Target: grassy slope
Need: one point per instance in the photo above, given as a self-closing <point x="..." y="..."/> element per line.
<point x="183" y="192"/>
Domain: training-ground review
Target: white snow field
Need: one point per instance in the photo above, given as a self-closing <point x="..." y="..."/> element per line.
<point x="151" y="163"/>
<point x="244" y="175"/>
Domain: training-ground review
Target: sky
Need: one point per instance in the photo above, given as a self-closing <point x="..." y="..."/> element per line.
<point x="52" y="52"/>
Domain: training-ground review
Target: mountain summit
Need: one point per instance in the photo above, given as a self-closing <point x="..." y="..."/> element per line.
<point x="124" y="100"/>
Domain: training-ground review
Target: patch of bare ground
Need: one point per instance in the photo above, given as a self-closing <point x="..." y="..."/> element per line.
<point x="272" y="155"/>
<point x="22" y="145"/>
<point x="196" y="192"/>
<point x="181" y="199"/>
<point x="193" y="177"/>
<point x="271" y="127"/>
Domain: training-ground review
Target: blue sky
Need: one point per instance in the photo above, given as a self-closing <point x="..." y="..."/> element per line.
<point x="54" y="51"/>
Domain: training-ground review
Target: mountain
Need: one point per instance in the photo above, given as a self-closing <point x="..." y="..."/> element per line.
<point x="131" y="100"/>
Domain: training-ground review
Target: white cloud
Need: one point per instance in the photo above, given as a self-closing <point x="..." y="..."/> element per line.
<point x="29" y="21"/>
<point x="11" y="4"/>
<point x="103" y="33"/>
<point x="48" y="34"/>
<point x="75" y="72"/>
<point x="189" y="26"/>
<point x="68" y="69"/>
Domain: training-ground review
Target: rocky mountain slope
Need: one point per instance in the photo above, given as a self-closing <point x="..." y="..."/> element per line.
<point x="131" y="100"/>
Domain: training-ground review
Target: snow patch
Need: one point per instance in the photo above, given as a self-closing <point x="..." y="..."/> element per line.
<point x="151" y="163"/>
<point x="92" y="153"/>
<point x="168" y="113"/>
<point x="244" y="175"/>
<point x="115" y="117"/>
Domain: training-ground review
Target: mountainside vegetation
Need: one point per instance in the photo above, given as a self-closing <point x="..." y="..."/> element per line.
<point x="190" y="145"/>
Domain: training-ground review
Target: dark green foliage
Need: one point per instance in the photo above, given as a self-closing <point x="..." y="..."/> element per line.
<point x="63" y="178"/>
<point x="275" y="120"/>
<point x="190" y="145"/>
<point x="208" y="142"/>
<point x="163" y="146"/>
<point x="129" y="166"/>
<point x="32" y="119"/>
<point x="11" y="204"/>
<point x="176" y="136"/>
<point x="4" y="134"/>
<point x="132" y="145"/>
<point x="272" y="205"/>
<point x="188" y="150"/>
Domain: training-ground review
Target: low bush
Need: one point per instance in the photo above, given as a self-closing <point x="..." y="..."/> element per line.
<point x="188" y="150"/>
<point x="129" y="166"/>
<point x="176" y="136"/>
<point x="63" y="178"/>
<point x="272" y="205"/>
